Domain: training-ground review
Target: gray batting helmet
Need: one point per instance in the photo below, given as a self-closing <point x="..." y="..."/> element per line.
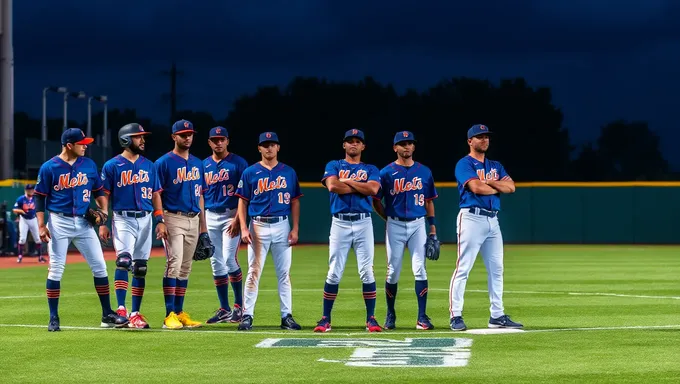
<point x="128" y="131"/>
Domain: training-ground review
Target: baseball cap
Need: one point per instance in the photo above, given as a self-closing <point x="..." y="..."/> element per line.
<point x="218" y="132"/>
<point x="75" y="136"/>
<point x="182" y="126"/>
<point x="404" y="136"/>
<point x="29" y="186"/>
<point x="477" y="129"/>
<point x="354" y="133"/>
<point x="268" y="136"/>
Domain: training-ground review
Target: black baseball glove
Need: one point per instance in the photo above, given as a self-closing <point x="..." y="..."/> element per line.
<point x="432" y="246"/>
<point x="96" y="217"/>
<point x="205" y="248"/>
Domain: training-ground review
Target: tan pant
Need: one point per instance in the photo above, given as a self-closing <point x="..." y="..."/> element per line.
<point x="180" y="245"/>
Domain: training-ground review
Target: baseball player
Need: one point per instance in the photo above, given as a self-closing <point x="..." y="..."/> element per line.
<point x="268" y="192"/>
<point x="129" y="180"/>
<point x="182" y="183"/>
<point x="25" y="209"/>
<point x="64" y="188"/>
<point x="407" y="188"/>
<point x="351" y="184"/>
<point x="480" y="181"/>
<point x="222" y="173"/>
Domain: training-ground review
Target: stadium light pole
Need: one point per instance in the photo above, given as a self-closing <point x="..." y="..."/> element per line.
<point x="104" y="100"/>
<point x="44" y="115"/>
<point x="75" y="95"/>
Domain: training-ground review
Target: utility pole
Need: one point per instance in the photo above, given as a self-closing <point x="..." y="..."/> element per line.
<point x="172" y="96"/>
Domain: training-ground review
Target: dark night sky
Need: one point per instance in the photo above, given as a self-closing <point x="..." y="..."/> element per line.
<point x="603" y="59"/>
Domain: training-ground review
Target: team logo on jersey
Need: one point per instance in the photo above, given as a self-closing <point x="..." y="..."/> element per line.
<point x="212" y="177"/>
<point x="491" y="175"/>
<point x="183" y="175"/>
<point x="360" y="175"/>
<point x="264" y="185"/>
<point x="401" y="185"/>
<point x="28" y="206"/>
<point x="127" y="178"/>
<point x="66" y="181"/>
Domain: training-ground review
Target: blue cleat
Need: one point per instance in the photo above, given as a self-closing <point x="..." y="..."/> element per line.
<point x="390" y="320"/>
<point x="503" y="322"/>
<point x="424" y="323"/>
<point x="457" y="324"/>
<point x="221" y="316"/>
<point x="53" y="326"/>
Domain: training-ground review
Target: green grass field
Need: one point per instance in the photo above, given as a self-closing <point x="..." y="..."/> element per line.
<point x="606" y="314"/>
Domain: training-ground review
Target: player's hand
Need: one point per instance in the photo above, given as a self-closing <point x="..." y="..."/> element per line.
<point x="104" y="233"/>
<point x="45" y="234"/>
<point x="234" y="228"/>
<point x="293" y="237"/>
<point x="245" y="236"/>
<point x="161" y="231"/>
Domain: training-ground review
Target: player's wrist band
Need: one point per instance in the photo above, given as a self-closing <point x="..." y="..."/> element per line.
<point x="431" y="220"/>
<point x="158" y="216"/>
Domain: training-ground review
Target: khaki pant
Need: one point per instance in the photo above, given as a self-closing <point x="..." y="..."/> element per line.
<point x="180" y="245"/>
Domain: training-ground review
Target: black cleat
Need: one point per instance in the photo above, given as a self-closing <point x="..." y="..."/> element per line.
<point x="112" y="320"/>
<point x="246" y="323"/>
<point x="289" y="323"/>
<point x="53" y="326"/>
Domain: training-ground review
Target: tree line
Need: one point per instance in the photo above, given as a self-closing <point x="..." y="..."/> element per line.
<point x="310" y="116"/>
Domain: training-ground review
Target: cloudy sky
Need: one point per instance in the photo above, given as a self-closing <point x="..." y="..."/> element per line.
<point x="603" y="59"/>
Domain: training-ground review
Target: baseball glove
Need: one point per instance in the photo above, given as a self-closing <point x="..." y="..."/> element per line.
<point x="96" y="217"/>
<point x="432" y="246"/>
<point x="205" y="248"/>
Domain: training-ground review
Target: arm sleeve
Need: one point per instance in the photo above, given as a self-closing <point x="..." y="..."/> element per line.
<point x="465" y="172"/>
<point x="44" y="182"/>
<point x="331" y="170"/>
<point x="107" y="177"/>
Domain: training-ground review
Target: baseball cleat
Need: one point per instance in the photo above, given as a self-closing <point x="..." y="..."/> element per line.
<point x="53" y="326"/>
<point x="503" y="322"/>
<point x="457" y="324"/>
<point x="112" y="320"/>
<point x="424" y="323"/>
<point x="372" y="325"/>
<point x="138" y="321"/>
<point x="122" y="312"/>
<point x="19" y="259"/>
<point x="246" y="323"/>
<point x="390" y="320"/>
<point x="289" y="323"/>
<point x="41" y="259"/>
<point x="236" y="314"/>
<point x="172" y="322"/>
<point x="186" y="321"/>
<point x="221" y="316"/>
<point x="324" y="325"/>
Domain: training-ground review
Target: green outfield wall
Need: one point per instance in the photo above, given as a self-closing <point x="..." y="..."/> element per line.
<point x="577" y="213"/>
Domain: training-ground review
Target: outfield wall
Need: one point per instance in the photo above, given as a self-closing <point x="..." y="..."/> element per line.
<point x="578" y="213"/>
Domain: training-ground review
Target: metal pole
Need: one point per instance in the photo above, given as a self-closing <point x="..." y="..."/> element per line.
<point x="65" y="111"/>
<point x="89" y="117"/>
<point x="7" y="91"/>
<point x="106" y="127"/>
<point x="44" y="124"/>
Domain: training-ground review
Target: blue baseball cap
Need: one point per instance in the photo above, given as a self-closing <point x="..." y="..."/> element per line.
<point x="182" y="126"/>
<point x="404" y="136"/>
<point x="354" y="133"/>
<point x="75" y="136"/>
<point x="219" y="132"/>
<point x="268" y="137"/>
<point x="478" y="129"/>
<point x="29" y="186"/>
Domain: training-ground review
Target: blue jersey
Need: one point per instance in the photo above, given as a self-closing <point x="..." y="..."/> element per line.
<point x="222" y="178"/>
<point x="269" y="193"/>
<point x="351" y="202"/>
<point x="26" y="204"/>
<point x="406" y="189"/>
<point x="130" y="185"/>
<point x="181" y="182"/>
<point x="68" y="188"/>
<point x="470" y="169"/>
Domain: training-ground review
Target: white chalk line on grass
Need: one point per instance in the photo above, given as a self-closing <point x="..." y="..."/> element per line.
<point x="611" y="294"/>
<point x="480" y="331"/>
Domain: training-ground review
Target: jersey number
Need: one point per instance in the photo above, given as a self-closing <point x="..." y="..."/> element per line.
<point x="284" y="198"/>
<point x="227" y="191"/>
<point x="147" y="192"/>
<point x="197" y="190"/>
<point x="419" y="199"/>
<point x="86" y="195"/>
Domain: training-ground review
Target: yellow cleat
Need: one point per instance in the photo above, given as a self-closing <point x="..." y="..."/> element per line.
<point x="184" y="318"/>
<point x="172" y="322"/>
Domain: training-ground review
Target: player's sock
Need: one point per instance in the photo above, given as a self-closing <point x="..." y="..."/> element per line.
<point x="330" y="292"/>
<point x="53" y="289"/>
<point x="101" y="284"/>
<point x="222" y="286"/>
<point x="369" y="299"/>
<point x="120" y="282"/>
<point x="236" y="279"/>
<point x="421" y="294"/>
<point x="137" y="293"/>
<point x="39" y="246"/>
<point x="169" y="284"/>
<point x="20" y="250"/>
<point x="391" y="295"/>
<point x="180" y="291"/>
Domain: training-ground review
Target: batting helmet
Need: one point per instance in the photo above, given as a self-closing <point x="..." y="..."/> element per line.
<point x="129" y="130"/>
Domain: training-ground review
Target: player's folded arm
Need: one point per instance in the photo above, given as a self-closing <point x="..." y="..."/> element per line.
<point x="477" y="186"/>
